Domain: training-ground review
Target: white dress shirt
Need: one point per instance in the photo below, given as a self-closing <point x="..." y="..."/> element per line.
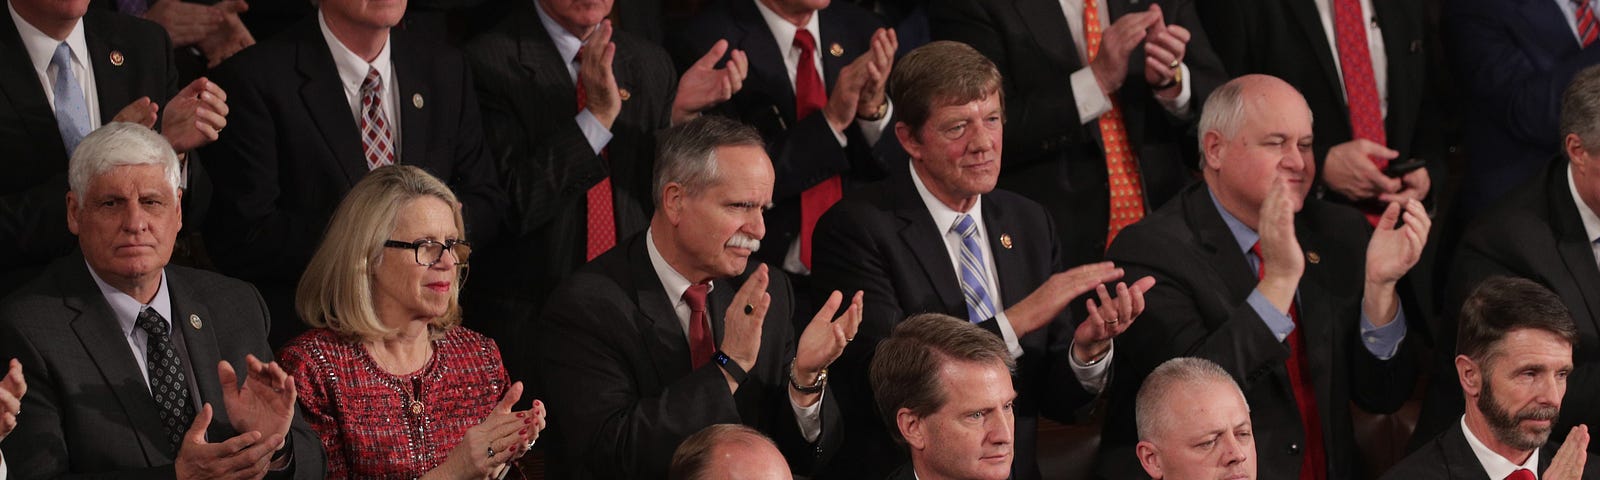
<point x="126" y="310"/>
<point x="41" y="48"/>
<point x="1091" y="377"/>
<point x="1570" y="11"/>
<point x="808" y="418"/>
<point x="353" y="71"/>
<point x="1380" y="59"/>
<point x="1494" y="464"/>
<point x="1092" y="101"/>
<point x="1591" y="222"/>
<point x="567" y="45"/>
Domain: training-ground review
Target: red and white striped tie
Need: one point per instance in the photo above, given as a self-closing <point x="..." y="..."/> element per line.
<point x="376" y="138"/>
<point x="1588" y="28"/>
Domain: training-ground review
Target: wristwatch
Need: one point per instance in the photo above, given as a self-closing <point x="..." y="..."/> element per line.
<point x="794" y="381"/>
<point x="730" y="366"/>
<point x="883" y="109"/>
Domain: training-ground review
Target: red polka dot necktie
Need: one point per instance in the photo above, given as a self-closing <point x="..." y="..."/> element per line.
<point x="601" y="224"/>
<point x="1360" y="86"/>
<point x="1122" y="169"/>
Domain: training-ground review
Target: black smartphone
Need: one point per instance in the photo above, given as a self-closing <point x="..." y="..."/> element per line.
<point x="1400" y="168"/>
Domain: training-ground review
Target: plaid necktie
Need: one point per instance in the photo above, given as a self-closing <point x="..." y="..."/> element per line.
<point x="376" y="138"/>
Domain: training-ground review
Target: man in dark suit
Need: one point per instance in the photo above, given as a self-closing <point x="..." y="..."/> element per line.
<point x="1194" y="423"/>
<point x="131" y="360"/>
<point x="1099" y="129"/>
<point x="578" y="181"/>
<point x="815" y="90"/>
<point x="1511" y="60"/>
<point x="899" y="242"/>
<point x="656" y="339"/>
<point x="1295" y="297"/>
<point x="315" y="109"/>
<point x="1546" y="231"/>
<point x="1515" y="343"/>
<point x="120" y="67"/>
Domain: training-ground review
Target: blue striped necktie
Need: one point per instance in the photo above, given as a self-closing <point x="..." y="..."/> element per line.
<point x="973" y="275"/>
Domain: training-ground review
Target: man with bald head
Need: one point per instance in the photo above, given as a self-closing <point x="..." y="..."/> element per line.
<point x="1194" y="423"/>
<point x="1294" y="297"/>
<point x="728" y="451"/>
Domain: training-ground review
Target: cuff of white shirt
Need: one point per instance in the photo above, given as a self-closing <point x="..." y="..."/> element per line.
<point x="1008" y="334"/>
<point x="873" y="130"/>
<point x="1383" y="342"/>
<point x="1092" y="102"/>
<point x="808" y="418"/>
<point x="2" y="467"/>
<point x="593" y="131"/>
<point x="1279" y="322"/>
<point x="1178" y="106"/>
<point x="1092" y="377"/>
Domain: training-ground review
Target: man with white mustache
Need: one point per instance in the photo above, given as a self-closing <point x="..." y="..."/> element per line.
<point x="675" y="329"/>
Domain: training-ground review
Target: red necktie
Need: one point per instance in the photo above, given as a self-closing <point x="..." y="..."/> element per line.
<point x="1314" y="463"/>
<point x="1122" y="169"/>
<point x="602" y="229"/>
<point x="376" y="139"/>
<point x="809" y="97"/>
<point x="1587" y="27"/>
<point x="701" y="347"/>
<point x="1360" y="86"/>
<point x="1523" y="473"/>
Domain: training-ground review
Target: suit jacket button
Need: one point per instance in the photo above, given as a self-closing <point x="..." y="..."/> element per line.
<point x="1294" y="449"/>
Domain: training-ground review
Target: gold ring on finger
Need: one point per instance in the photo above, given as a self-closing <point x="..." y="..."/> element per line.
<point x="1174" y="63"/>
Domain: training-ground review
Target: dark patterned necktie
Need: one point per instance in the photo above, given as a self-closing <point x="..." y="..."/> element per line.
<point x="168" y="386"/>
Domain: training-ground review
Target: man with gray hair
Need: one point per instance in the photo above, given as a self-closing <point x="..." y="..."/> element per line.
<point x="131" y="360"/>
<point x="1546" y="230"/>
<point x="676" y="329"/>
<point x="1194" y="423"/>
<point x="728" y="451"/>
<point x="1294" y="297"/>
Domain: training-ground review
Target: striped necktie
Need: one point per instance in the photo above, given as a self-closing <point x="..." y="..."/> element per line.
<point x="973" y="274"/>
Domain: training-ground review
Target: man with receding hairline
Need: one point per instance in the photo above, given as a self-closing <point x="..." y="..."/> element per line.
<point x="728" y="452"/>
<point x="1194" y="424"/>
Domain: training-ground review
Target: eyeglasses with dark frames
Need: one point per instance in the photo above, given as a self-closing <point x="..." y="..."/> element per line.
<point x="429" y="252"/>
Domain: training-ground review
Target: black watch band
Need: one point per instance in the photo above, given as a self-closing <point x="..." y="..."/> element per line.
<point x="730" y="366"/>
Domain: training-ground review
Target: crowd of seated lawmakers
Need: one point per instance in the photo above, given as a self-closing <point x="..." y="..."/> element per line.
<point x="773" y="239"/>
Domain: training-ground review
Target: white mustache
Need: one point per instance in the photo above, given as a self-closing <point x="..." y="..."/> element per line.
<point x="741" y="240"/>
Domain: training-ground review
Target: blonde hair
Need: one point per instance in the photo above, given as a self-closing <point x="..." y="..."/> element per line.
<point x="336" y="290"/>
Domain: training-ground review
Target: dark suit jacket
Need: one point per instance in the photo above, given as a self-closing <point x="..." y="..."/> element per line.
<point x="292" y="150"/>
<point x="90" y="414"/>
<point x="1054" y="158"/>
<point x="804" y="152"/>
<point x="615" y="367"/>
<point x="33" y="225"/>
<point x="1198" y="308"/>
<point x="547" y="164"/>
<point x="882" y="241"/>
<point x="1512" y="59"/>
<point x="1534" y="232"/>
<point x="905" y="472"/>
<point x="1259" y="40"/>
<point x="1450" y="457"/>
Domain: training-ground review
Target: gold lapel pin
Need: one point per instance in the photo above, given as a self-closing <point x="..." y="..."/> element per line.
<point x="1005" y="240"/>
<point x="117" y="58"/>
<point x="1313" y="257"/>
<point x="416" y="100"/>
<point x="194" y="321"/>
<point x="836" y="50"/>
<point x="624" y="94"/>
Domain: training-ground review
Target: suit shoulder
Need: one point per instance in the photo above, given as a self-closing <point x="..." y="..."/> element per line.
<point x="125" y="25"/>
<point x="1164" y="229"/>
<point x="210" y="285"/>
<point x="1018" y="203"/>
<point x="853" y="17"/>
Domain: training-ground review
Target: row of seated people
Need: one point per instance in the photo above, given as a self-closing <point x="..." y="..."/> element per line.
<point x="669" y="332"/>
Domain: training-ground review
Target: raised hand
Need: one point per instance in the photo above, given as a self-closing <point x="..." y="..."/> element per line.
<point x="741" y="337"/>
<point x="1108" y="318"/>
<point x="1348" y="169"/>
<point x="703" y="85"/>
<point x="1047" y="301"/>
<point x="594" y="69"/>
<point x="880" y="60"/>
<point x="1110" y="65"/>
<point x="12" y="388"/>
<point x="846" y="97"/>
<point x="1164" y="47"/>
<point x="196" y="115"/>
<point x="228" y="38"/>
<point x="1568" y="462"/>
<point x="1282" y="260"/>
<point x="826" y="336"/>
<point x="245" y="456"/>
<point x="501" y="437"/>
<point x="264" y="403"/>
<point x="185" y="22"/>
<point x="1414" y="185"/>
<point x="141" y="111"/>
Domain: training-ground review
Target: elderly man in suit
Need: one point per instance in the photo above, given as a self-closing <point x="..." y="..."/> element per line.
<point x="1295" y="297"/>
<point x="1514" y="363"/>
<point x="657" y="338"/>
<point x="938" y="237"/>
<point x="578" y="178"/>
<point x="131" y="360"/>
<point x="67" y="71"/>
<point x="1104" y="94"/>
<point x="317" y="107"/>
<point x="1547" y="231"/>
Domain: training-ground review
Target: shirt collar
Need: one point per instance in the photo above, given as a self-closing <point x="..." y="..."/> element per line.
<point x="1494" y="464"/>
<point x="674" y="283"/>
<point x="567" y="44"/>
<point x="1591" y="222"/>
<point x="352" y="68"/>
<point x="42" y="47"/>
<point x="1243" y="234"/>
<point x="783" y="31"/>
<point x="944" y="216"/>
<point x="126" y="308"/>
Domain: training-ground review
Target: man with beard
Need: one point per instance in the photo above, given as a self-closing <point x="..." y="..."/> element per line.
<point x="1514" y="355"/>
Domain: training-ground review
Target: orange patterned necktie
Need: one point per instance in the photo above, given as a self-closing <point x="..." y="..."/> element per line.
<point x="1122" y="170"/>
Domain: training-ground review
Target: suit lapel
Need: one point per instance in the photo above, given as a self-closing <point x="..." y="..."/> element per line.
<point x="113" y="82"/>
<point x="411" y="78"/>
<point x="1008" y="263"/>
<point x="1317" y="318"/>
<point x="1305" y="14"/>
<point x="1215" y="238"/>
<point x="1459" y="460"/>
<point x="25" y="93"/>
<point x="324" y="98"/>
<point x="201" y="343"/>
<point x="767" y="70"/>
<point x="540" y="61"/>
<point x="663" y="335"/>
<point x="1572" y="243"/>
<point x="96" y="328"/>
<point x="925" y="240"/>
<point x="1048" y="24"/>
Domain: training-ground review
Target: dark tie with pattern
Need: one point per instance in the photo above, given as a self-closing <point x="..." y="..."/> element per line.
<point x="167" y="383"/>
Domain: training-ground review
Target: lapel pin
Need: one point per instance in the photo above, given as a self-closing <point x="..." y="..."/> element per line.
<point x="116" y="58"/>
<point x="1416" y="46"/>
<point x="416" y="100"/>
<point x="624" y="94"/>
<point x="835" y="49"/>
<point x="194" y="321"/>
<point x="1005" y="240"/>
<point x="1313" y="257"/>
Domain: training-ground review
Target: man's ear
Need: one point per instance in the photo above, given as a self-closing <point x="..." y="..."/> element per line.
<point x="1149" y="458"/>
<point x="672" y="200"/>
<point x="1471" y="376"/>
<point x="1573" y="147"/>
<point x="908" y="139"/>
<point x="72" y="212"/>
<point x="911" y="427"/>
<point x="1211" y="143"/>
